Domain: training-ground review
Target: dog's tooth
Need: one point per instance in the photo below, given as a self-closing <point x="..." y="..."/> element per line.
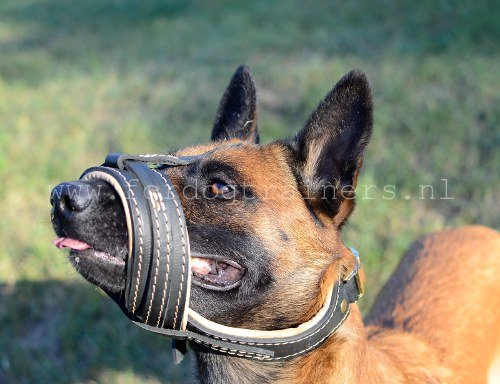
<point x="221" y="267"/>
<point x="214" y="267"/>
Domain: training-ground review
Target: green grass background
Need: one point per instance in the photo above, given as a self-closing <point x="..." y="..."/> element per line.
<point x="81" y="78"/>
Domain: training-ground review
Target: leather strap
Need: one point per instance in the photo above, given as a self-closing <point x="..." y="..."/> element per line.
<point x="158" y="277"/>
<point x="268" y="347"/>
<point x="139" y="231"/>
<point x="158" y="269"/>
<point x="118" y="159"/>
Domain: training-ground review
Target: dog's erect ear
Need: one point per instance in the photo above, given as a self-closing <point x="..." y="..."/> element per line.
<point x="331" y="145"/>
<point x="237" y="113"/>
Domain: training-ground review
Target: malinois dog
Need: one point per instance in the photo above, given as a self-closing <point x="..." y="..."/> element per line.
<point x="264" y="224"/>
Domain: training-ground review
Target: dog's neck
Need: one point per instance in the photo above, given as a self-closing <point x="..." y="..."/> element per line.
<point x="216" y="368"/>
<point x="341" y="348"/>
<point x="336" y="358"/>
<point x="348" y="356"/>
<point x="352" y="354"/>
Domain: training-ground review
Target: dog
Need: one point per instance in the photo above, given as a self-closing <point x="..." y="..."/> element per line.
<point x="273" y="215"/>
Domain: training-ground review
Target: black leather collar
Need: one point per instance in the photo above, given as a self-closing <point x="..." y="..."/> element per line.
<point x="269" y="345"/>
<point x="158" y="279"/>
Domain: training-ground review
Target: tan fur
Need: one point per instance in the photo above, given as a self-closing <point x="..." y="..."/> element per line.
<point x="443" y="303"/>
<point x="436" y="321"/>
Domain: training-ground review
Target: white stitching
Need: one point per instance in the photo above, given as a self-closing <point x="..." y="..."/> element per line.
<point x="141" y="242"/>
<point x="164" y="211"/>
<point x="154" y="155"/>
<point x="287" y="342"/>
<point x="236" y="352"/>
<point x="315" y="344"/>
<point x="160" y="157"/>
<point x="183" y="247"/>
<point x="157" y="258"/>
<point x="265" y="357"/>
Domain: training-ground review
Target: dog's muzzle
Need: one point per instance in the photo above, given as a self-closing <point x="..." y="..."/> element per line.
<point x="158" y="272"/>
<point x="158" y="276"/>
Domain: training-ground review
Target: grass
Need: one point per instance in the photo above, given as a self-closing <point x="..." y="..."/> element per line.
<point x="80" y="79"/>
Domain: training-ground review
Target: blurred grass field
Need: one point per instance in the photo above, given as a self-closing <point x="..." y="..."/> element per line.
<point x="80" y="79"/>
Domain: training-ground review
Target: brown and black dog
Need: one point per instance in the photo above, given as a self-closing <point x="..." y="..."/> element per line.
<point x="276" y="212"/>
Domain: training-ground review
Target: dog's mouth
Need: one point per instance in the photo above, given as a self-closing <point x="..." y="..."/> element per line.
<point x="208" y="271"/>
<point x="104" y="269"/>
<point x="216" y="273"/>
<point x="81" y="249"/>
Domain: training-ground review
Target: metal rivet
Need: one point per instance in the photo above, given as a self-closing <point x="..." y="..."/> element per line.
<point x="343" y="306"/>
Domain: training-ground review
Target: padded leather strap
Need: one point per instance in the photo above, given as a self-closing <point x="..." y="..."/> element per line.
<point x="140" y="233"/>
<point x="284" y="348"/>
<point x="158" y="277"/>
<point x="118" y="159"/>
<point x="268" y="347"/>
<point x="158" y="270"/>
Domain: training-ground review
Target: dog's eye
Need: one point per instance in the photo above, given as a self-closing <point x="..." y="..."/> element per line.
<point x="220" y="189"/>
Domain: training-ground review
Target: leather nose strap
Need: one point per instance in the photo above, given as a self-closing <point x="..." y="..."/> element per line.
<point x="158" y="274"/>
<point x="139" y="231"/>
<point x="169" y="274"/>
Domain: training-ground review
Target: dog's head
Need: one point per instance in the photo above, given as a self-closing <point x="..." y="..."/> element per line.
<point x="263" y="220"/>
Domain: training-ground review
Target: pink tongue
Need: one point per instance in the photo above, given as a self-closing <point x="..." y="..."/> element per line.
<point x="65" y="242"/>
<point x="202" y="265"/>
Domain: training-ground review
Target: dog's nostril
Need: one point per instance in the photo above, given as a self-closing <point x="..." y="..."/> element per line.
<point x="69" y="204"/>
<point x="74" y="196"/>
<point x="77" y="202"/>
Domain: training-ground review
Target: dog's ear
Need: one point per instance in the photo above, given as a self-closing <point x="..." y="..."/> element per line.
<point x="237" y="114"/>
<point x="331" y="145"/>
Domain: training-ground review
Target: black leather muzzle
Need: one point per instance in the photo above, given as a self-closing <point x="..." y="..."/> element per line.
<point x="158" y="276"/>
<point x="158" y="273"/>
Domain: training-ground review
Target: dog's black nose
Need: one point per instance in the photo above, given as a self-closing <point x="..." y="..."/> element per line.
<point x="73" y="197"/>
